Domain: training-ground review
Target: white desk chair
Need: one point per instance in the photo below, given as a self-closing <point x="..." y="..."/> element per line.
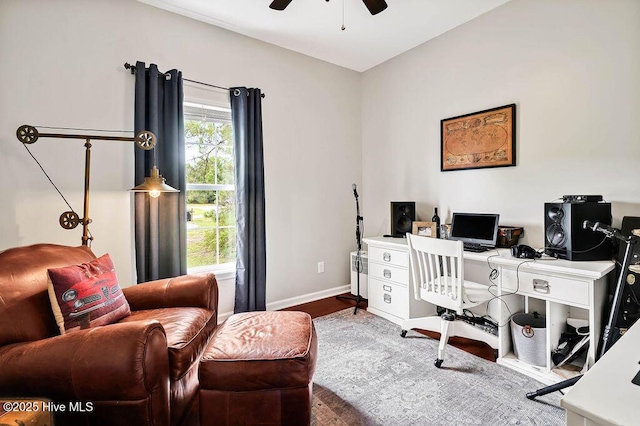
<point x="437" y="272"/>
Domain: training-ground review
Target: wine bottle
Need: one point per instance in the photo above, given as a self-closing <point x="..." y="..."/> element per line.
<point x="436" y="219"/>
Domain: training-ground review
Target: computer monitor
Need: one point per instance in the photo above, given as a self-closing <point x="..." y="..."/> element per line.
<point x="475" y="228"/>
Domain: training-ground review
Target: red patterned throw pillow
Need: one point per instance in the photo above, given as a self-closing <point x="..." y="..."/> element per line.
<point x="86" y="295"/>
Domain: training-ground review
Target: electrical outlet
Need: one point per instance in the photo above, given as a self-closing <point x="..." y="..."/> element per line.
<point x="320" y="267"/>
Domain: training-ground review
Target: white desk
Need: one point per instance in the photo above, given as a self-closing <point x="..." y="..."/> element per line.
<point x="605" y="394"/>
<point x="563" y="289"/>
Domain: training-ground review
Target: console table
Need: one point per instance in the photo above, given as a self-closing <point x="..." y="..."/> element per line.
<point x="557" y="289"/>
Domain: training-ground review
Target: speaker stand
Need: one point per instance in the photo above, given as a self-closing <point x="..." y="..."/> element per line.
<point x="357" y="298"/>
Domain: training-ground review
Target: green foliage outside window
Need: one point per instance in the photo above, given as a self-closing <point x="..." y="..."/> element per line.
<point x="211" y="233"/>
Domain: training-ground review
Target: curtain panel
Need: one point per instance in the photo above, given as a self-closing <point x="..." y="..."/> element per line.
<point x="160" y="223"/>
<point x="251" y="262"/>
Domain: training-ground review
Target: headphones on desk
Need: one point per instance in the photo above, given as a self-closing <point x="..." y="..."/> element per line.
<point x="524" y="252"/>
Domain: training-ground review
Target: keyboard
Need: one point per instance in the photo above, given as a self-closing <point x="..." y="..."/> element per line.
<point x="476" y="248"/>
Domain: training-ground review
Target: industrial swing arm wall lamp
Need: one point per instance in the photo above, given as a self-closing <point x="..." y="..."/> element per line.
<point x="154" y="185"/>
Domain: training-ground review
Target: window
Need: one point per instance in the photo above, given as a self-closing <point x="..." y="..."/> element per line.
<point x="211" y="225"/>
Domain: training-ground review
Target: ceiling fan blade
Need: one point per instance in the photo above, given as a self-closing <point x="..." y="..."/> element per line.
<point x="279" y="4"/>
<point x="375" y="6"/>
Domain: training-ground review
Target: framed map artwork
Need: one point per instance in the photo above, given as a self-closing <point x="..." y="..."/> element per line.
<point x="479" y="140"/>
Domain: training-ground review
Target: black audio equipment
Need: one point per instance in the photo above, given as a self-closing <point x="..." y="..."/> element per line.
<point x="630" y="309"/>
<point x="629" y="223"/>
<point x="581" y="198"/>
<point x="524" y="252"/>
<point x="403" y="213"/>
<point x="565" y="235"/>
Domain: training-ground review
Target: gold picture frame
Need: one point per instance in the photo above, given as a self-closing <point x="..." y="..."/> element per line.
<point x="479" y="140"/>
<point x="425" y="229"/>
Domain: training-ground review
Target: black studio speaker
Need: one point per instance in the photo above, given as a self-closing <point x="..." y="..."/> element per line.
<point x="403" y="213"/>
<point x="565" y="236"/>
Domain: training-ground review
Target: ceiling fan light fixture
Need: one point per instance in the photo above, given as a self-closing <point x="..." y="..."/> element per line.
<point x="279" y="4"/>
<point x="374" y="6"/>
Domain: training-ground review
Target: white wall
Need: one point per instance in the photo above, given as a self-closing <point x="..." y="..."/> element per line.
<point x="571" y="67"/>
<point x="63" y="66"/>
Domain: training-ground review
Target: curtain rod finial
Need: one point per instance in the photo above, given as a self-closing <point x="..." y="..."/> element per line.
<point x="128" y="66"/>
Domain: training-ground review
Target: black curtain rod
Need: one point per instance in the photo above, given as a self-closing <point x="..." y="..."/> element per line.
<point x="132" y="68"/>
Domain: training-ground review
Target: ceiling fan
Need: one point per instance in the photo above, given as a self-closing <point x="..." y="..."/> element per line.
<point x="374" y="6"/>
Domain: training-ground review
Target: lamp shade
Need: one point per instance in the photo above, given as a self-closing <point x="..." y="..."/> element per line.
<point x="154" y="184"/>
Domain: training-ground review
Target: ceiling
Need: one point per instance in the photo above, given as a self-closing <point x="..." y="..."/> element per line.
<point x="313" y="27"/>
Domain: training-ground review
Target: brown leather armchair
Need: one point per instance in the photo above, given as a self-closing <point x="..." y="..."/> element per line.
<point x="140" y="370"/>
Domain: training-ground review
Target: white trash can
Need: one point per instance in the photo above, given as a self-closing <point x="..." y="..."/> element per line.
<point x="529" y="334"/>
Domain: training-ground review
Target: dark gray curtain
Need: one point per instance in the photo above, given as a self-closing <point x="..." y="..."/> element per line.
<point x="160" y="223"/>
<point x="251" y="262"/>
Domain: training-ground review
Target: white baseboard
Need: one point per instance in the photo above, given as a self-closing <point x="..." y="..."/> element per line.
<point x="299" y="300"/>
<point x="311" y="297"/>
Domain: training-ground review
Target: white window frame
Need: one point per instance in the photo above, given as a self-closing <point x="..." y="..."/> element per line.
<point x="225" y="270"/>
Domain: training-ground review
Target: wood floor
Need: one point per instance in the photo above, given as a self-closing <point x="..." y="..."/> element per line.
<point x="333" y="304"/>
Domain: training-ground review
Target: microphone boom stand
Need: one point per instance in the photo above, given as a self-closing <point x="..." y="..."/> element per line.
<point x="358" y="298"/>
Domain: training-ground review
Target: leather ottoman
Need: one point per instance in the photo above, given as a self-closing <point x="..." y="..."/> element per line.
<point x="258" y="369"/>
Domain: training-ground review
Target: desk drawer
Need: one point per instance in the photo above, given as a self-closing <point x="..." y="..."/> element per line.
<point x="389" y="273"/>
<point x="389" y="297"/>
<point x="572" y="292"/>
<point x="389" y="256"/>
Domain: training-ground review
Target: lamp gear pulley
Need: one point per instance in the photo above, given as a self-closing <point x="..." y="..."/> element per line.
<point x="146" y="140"/>
<point x="27" y="134"/>
<point x="69" y="220"/>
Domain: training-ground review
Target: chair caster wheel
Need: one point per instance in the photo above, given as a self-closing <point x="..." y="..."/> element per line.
<point x="438" y="363"/>
<point x="403" y="333"/>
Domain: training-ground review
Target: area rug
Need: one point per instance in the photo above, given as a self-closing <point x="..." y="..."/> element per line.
<point x="368" y="375"/>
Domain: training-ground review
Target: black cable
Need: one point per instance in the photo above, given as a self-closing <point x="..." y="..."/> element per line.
<point x="57" y="189"/>
<point x="577" y="251"/>
<point x="493" y="275"/>
<point x="45" y="173"/>
<point x="468" y="313"/>
<point x="592" y="248"/>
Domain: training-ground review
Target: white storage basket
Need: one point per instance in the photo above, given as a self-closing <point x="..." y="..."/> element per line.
<point x="529" y="335"/>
